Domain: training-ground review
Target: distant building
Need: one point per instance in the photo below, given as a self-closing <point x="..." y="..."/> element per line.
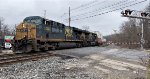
<point x="8" y="38"/>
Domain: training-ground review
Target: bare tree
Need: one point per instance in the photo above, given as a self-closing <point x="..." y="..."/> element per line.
<point x="4" y="28"/>
<point x="130" y="32"/>
<point x="13" y="29"/>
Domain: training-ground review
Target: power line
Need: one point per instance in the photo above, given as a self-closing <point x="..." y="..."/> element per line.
<point x="117" y="4"/>
<point x="44" y="13"/>
<point x="109" y="11"/>
<point x="83" y="7"/>
<point x="112" y="6"/>
<point x="103" y="8"/>
<point x="91" y="6"/>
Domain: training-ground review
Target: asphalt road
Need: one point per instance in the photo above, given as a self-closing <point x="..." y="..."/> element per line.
<point x="113" y="51"/>
<point x="125" y="62"/>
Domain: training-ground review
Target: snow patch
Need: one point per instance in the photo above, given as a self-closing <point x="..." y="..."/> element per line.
<point x="95" y="57"/>
<point x="80" y="64"/>
<point x="111" y="50"/>
<point x="120" y="65"/>
<point x="102" y="69"/>
<point x="113" y="66"/>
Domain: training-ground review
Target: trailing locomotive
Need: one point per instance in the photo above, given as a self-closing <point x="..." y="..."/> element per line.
<point x="36" y="33"/>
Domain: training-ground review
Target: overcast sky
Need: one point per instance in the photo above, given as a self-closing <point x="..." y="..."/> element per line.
<point x="14" y="11"/>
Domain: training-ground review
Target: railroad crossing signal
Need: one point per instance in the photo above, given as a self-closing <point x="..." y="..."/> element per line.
<point x="127" y="12"/>
<point x="137" y="14"/>
<point x="139" y="34"/>
<point x="143" y="15"/>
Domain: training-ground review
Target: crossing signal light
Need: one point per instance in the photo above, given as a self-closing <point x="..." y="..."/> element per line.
<point x="122" y="13"/>
<point x="127" y="12"/>
<point x="144" y="14"/>
<point x="130" y="12"/>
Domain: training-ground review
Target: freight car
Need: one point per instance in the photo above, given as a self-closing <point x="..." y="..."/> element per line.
<point x="39" y="34"/>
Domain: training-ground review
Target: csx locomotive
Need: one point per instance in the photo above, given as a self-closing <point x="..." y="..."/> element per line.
<point x="39" y="34"/>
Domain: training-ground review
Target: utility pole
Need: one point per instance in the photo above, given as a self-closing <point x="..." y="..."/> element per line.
<point x="0" y="36"/>
<point x="142" y="37"/>
<point x="70" y="36"/>
<point x="44" y="13"/>
<point x="69" y="17"/>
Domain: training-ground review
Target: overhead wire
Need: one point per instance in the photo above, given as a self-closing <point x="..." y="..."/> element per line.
<point x="102" y="9"/>
<point x="109" y="11"/>
<point x="83" y="7"/>
<point x="112" y="6"/>
<point x="90" y="6"/>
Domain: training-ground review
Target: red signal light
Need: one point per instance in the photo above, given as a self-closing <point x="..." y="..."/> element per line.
<point x="144" y="14"/>
<point x="128" y="12"/>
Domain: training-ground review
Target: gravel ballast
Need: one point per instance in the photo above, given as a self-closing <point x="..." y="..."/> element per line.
<point x="94" y="66"/>
<point x="51" y="68"/>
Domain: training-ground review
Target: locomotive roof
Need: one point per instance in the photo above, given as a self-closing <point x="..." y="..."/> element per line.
<point x="39" y="17"/>
<point x="31" y="17"/>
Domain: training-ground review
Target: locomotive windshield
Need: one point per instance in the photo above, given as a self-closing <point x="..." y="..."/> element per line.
<point x="33" y="20"/>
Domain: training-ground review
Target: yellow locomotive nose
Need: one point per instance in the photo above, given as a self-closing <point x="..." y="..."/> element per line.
<point x="25" y="30"/>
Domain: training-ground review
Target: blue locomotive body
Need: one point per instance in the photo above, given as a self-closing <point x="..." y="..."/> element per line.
<point x="50" y="34"/>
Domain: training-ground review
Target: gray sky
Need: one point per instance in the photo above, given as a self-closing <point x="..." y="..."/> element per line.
<point x="14" y="11"/>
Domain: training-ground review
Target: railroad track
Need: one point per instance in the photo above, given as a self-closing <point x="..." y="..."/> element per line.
<point x="15" y="58"/>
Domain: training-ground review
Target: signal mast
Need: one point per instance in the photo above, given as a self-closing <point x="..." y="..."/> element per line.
<point x="143" y="16"/>
<point x="138" y="15"/>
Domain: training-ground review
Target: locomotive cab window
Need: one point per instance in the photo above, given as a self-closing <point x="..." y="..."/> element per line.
<point x="61" y="28"/>
<point x="22" y="30"/>
<point x="46" y="22"/>
<point x="36" y="21"/>
<point x="51" y="23"/>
